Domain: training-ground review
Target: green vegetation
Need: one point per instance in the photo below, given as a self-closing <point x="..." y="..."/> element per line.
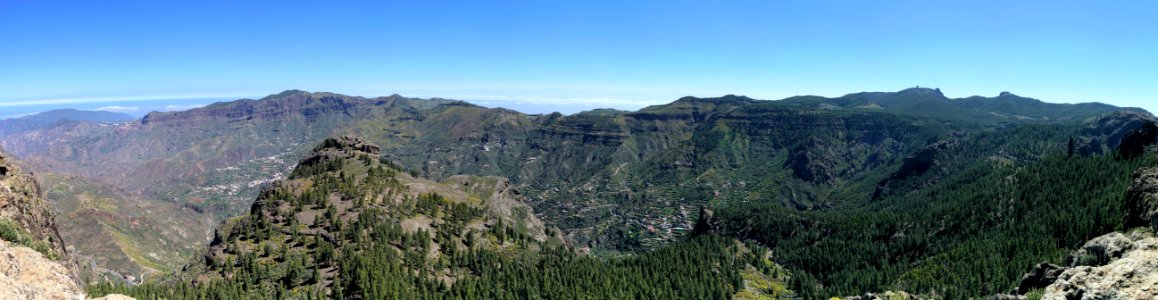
<point x="1034" y="294"/>
<point x="346" y="225"/>
<point x="862" y="193"/>
<point x="11" y="232"/>
<point x="971" y="234"/>
<point x="701" y="268"/>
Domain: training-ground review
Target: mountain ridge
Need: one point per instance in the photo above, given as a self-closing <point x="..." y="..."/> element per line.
<point x="52" y="118"/>
<point x="618" y="181"/>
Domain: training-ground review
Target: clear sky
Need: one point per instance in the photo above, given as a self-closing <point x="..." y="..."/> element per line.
<point x="570" y="54"/>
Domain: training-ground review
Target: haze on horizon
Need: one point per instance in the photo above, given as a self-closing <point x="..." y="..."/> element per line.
<point x="136" y="56"/>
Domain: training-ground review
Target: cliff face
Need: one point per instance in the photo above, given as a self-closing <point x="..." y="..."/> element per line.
<point x="25" y="217"/>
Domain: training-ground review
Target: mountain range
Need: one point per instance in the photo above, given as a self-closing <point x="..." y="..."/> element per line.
<point x="797" y="174"/>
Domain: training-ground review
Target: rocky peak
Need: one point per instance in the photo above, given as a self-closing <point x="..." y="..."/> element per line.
<point x="347" y="143"/>
<point x="920" y="91"/>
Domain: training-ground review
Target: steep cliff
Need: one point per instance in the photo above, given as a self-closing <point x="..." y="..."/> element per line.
<point x="25" y="217"/>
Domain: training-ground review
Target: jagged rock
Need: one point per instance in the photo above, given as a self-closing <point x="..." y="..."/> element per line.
<point x="1101" y="250"/>
<point x="1040" y="276"/>
<point x="706" y="223"/>
<point x="27" y="274"/>
<point x="1142" y="199"/>
<point x="1133" y="276"/>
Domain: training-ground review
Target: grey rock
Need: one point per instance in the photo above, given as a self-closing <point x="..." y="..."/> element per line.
<point x="1142" y="199"/>
<point x="1101" y="250"/>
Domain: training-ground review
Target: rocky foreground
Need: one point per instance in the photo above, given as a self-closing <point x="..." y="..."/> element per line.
<point x="28" y="274"/>
<point x="1112" y="266"/>
<point x="33" y="260"/>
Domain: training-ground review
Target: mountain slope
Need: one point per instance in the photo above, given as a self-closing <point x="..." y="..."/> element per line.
<point x="981" y="210"/>
<point x="349" y="225"/>
<point x="611" y="181"/>
<point x="119" y="234"/>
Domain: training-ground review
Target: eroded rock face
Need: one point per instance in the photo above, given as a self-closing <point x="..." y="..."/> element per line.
<point x="1133" y="276"/>
<point x="1142" y="199"/>
<point x="21" y="204"/>
<point x="27" y="274"/>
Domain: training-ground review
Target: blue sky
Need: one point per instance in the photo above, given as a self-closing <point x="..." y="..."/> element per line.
<point x="569" y="55"/>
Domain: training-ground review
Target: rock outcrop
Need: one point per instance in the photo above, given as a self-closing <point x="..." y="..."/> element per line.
<point x="27" y="274"/>
<point x="1136" y="141"/>
<point x="1133" y="276"/>
<point x="25" y="217"/>
<point x="1101" y="250"/>
<point x="1142" y="199"/>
